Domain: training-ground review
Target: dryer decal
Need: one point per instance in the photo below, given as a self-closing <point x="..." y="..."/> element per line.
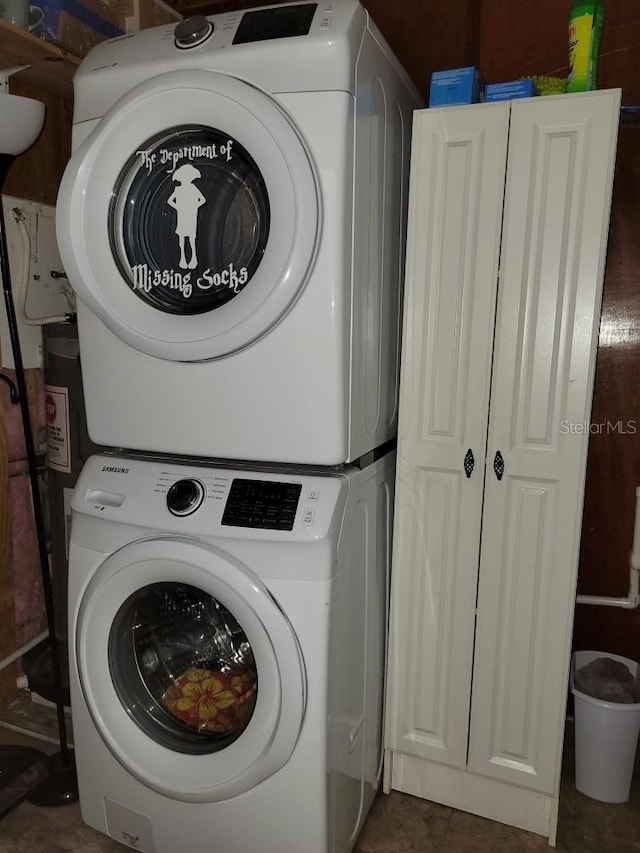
<point x="189" y="220"/>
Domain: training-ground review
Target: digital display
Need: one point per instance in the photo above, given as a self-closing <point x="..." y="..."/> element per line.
<point x="265" y="24"/>
<point x="262" y="504"/>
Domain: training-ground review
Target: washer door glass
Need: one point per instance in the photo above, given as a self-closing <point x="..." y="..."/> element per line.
<point x="183" y="667"/>
<point x="189" y="220"/>
<point x="185" y="661"/>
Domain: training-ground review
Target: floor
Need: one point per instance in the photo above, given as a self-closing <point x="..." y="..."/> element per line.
<point x="396" y="824"/>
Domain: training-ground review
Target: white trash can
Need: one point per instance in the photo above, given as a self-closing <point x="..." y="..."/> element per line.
<point x="606" y="737"/>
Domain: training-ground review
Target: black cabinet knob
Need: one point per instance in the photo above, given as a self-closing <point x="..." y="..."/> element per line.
<point x="469" y="463"/>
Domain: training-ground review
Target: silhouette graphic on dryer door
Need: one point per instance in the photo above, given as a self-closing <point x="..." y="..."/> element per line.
<point x="186" y="199"/>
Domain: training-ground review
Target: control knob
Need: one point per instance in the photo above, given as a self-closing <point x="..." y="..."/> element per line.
<point x="185" y="496"/>
<point x="192" y="31"/>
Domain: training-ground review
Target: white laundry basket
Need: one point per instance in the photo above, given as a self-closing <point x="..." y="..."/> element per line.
<point x="606" y="737"/>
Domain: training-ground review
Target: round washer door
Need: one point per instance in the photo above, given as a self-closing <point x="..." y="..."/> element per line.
<point x="191" y="672"/>
<point x="188" y="220"/>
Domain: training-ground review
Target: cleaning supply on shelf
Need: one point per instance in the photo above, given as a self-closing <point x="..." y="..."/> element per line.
<point x="585" y="27"/>
<point x="524" y="88"/>
<point x="455" y="86"/>
<point x="547" y="85"/>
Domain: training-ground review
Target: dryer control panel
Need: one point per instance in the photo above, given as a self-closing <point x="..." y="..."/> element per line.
<point x="275" y="23"/>
<point x="304" y="48"/>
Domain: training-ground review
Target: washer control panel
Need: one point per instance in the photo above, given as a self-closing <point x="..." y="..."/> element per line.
<point x="264" y="504"/>
<point x="211" y="500"/>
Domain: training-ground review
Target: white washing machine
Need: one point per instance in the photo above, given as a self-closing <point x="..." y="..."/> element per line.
<point x="232" y="220"/>
<point x="228" y="656"/>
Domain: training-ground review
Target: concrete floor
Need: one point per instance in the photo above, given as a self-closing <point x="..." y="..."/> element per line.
<point x="397" y="824"/>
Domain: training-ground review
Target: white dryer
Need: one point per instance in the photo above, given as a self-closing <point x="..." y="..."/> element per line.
<point x="228" y="657"/>
<point x="232" y="220"/>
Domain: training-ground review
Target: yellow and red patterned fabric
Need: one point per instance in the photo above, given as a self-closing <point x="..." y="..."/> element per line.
<point x="211" y="701"/>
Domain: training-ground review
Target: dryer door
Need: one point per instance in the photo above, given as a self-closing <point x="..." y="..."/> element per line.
<point x="188" y="219"/>
<point x="191" y="672"/>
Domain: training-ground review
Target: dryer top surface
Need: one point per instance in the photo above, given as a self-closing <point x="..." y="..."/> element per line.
<point x="268" y="54"/>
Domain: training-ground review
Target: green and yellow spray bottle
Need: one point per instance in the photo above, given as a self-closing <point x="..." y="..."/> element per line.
<point x="585" y="27"/>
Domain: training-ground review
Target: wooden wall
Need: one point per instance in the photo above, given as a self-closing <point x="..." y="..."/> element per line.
<point x="613" y="470"/>
<point x="508" y="40"/>
<point x="429" y="36"/>
<point x="36" y="174"/>
<point x="520" y="39"/>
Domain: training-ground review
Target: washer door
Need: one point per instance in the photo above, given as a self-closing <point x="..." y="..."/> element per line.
<point x="188" y="219"/>
<point x="191" y="672"/>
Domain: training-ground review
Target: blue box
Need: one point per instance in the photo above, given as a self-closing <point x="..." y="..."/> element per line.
<point x="508" y="91"/>
<point x="457" y="86"/>
<point x="75" y="25"/>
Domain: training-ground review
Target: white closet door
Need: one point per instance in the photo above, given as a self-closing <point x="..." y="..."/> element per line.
<point x="455" y="202"/>
<point x="559" y="178"/>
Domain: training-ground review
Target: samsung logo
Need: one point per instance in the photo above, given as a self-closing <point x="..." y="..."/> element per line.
<point x="113" y="470"/>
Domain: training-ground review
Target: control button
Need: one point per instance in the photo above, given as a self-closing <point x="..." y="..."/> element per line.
<point x="313" y="496"/>
<point x="192" y="31"/>
<point x="232" y="511"/>
<point x="307" y="517"/>
<point x="185" y="496"/>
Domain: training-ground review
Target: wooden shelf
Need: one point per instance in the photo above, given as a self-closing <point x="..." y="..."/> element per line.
<point x="51" y="67"/>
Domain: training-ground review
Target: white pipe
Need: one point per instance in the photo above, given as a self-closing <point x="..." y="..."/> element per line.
<point x="629" y="603"/>
<point x="12" y="658"/>
<point x="18" y="217"/>
<point x="632" y="600"/>
<point x="5" y="73"/>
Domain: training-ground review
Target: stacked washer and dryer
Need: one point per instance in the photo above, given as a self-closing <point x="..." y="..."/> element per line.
<point x="232" y="221"/>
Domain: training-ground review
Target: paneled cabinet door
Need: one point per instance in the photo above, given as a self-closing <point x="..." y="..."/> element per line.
<point x="558" y="195"/>
<point x="455" y="203"/>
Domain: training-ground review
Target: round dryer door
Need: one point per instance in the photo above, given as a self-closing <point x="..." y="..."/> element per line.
<point x="186" y="662"/>
<point x="188" y="219"/>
